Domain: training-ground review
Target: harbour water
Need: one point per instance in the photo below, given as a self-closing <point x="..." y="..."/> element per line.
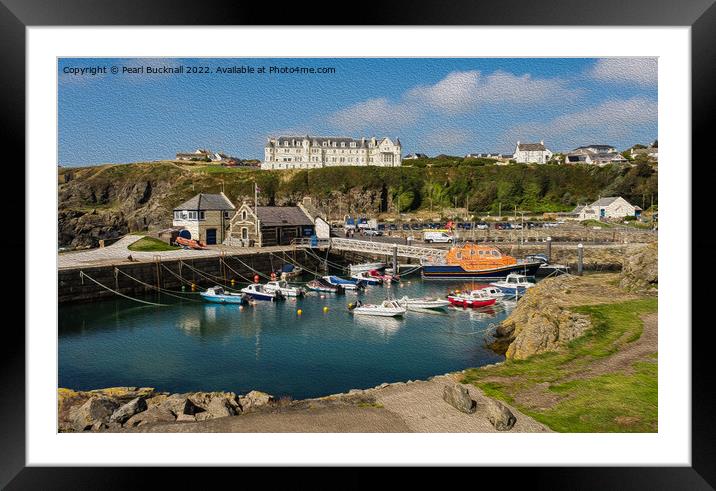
<point x="195" y="346"/>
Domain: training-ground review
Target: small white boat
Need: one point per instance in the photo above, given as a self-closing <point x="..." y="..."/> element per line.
<point x="423" y="303"/>
<point x="258" y="292"/>
<point x="493" y="292"/>
<point x="359" y="268"/>
<point x="285" y="289"/>
<point x="388" y="308"/>
<point x="217" y="294"/>
<point x="514" y="284"/>
<point x="366" y="277"/>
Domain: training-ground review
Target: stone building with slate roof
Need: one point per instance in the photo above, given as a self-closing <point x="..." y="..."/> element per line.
<point x="532" y="153"/>
<point x="310" y="152"/>
<point x="264" y="226"/>
<point x="206" y="217"/>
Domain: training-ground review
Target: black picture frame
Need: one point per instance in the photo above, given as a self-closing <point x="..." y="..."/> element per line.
<point x="16" y="15"/>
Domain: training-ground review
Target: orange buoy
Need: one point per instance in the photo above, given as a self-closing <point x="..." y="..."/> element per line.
<point x="299" y="311"/>
<point x="256" y="278"/>
<point x="273" y="276"/>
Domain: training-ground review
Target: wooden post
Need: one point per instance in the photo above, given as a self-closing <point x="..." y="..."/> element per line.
<point x="549" y="249"/>
<point x="395" y="260"/>
<point x="580" y="259"/>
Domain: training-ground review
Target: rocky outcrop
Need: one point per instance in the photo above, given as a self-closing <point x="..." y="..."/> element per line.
<point x="499" y="416"/>
<point x="640" y="272"/>
<point x="539" y="323"/>
<point x="255" y="399"/>
<point x="458" y="397"/>
<point x="128" y="407"/>
<point x="128" y="410"/>
<point x="96" y="411"/>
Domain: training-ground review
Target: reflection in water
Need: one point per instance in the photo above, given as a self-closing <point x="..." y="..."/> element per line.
<point x="387" y="326"/>
<point x="269" y="346"/>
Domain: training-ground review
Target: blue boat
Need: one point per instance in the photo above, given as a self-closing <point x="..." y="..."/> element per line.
<point x="346" y="284"/>
<point x="514" y="285"/>
<point x="218" y="295"/>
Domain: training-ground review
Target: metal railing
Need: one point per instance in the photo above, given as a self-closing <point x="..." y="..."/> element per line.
<point x="428" y="254"/>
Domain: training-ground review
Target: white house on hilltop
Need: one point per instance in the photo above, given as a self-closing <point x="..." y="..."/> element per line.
<point x="310" y="152"/>
<point x="536" y="153"/>
<point x="604" y="208"/>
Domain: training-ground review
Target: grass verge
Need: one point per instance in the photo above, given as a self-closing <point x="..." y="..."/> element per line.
<point x="150" y="244"/>
<point x="549" y="387"/>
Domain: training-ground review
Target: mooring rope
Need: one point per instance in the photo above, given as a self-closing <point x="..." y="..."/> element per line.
<point x="85" y="275"/>
<point x="191" y="283"/>
<point x="207" y="276"/>
<point x="161" y="290"/>
<point x="252" y="269"/>
<point x="330" y="263"/>
<point x="235" y="272"/>
<point x="296" y="263"/>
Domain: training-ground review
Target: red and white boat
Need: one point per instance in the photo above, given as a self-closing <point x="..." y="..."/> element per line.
<point x="473" y="299"/>
<point x="387" y="277"/>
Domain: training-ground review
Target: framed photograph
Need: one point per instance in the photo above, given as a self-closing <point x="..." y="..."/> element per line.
<point x="419" y="243"/>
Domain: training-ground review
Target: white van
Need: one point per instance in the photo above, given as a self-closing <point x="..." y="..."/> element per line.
<point x="437" y="237"/>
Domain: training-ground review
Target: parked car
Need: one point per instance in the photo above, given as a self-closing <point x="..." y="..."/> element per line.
<point x="372" y="232"/>
<point x="503" y="226"/>
<point x="437" y="237"/>
<point x="467" y="226"/>
<point x="381" y="226"/>
<point x="482" y="226"/>
<point x="393" y="226"/>
<point x="406" y="226"/>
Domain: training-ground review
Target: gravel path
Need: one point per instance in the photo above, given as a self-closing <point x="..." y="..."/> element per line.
<point x="401" y="407"/>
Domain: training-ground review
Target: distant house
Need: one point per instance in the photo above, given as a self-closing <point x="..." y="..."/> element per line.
<point x="583" y="155"/>
<point x="205" y="216"/>
<point x="527" y="153"/>
<point x="207" y="155"/>
<point x="596" y="149"/>
<point x="606" y="208"/>
<point x="199" y="154"/>
<point x="651" y="152"/>
<point x="413" y="156"/>
<point x="264" y="226"/>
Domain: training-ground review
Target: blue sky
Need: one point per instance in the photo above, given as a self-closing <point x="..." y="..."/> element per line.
<point x="453" y="106"/>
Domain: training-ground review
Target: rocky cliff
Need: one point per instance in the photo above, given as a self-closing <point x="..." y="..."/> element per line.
<point x="108" y="201"/>
<point x="540" y="323"/>
<point x="640" y="272"/>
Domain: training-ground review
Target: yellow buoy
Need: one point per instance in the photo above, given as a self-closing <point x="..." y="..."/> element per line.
<point x="325" y="309"/>
<point x="299" y="311"/>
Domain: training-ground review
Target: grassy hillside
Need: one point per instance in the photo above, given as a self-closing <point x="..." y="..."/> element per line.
<point x="142" y="195"/>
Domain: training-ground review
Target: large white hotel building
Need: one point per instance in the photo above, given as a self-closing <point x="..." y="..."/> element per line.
<point x="309" y="152"/>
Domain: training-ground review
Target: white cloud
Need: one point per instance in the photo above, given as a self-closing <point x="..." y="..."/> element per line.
<point x="611" y="119"/>
<point x="448" y="138"/>
<point x="640" y="71"/>
<point x="458" y="92"/>
<point x="374" y="113"/>
<point x="464" y="91"/>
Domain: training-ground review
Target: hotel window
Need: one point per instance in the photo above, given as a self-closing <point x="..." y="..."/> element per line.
<point x="244" y="233"/>
<point x="201" y="215"/>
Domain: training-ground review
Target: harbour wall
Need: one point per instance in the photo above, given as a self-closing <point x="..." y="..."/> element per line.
<point x="75" y="285"/>
<point x="141" y="278"/>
